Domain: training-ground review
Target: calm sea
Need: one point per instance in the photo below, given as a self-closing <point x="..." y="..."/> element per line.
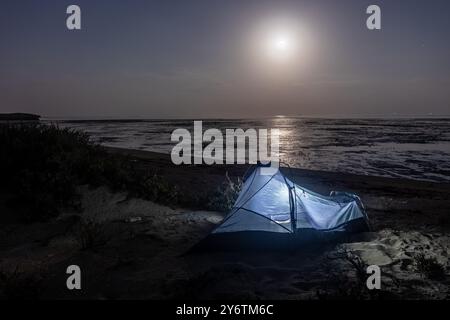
<point x="411" y="148"/>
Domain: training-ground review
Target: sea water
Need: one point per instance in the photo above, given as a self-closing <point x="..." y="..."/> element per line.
<point x="409" y="148"/>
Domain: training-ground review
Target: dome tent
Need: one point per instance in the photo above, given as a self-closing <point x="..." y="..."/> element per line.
<point x="273" y="207"/>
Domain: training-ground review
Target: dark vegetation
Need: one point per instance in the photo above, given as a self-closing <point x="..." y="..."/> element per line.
<point x="224" y="197"/>
<point x="42" y="165"/>
<point x="430" y="267"/>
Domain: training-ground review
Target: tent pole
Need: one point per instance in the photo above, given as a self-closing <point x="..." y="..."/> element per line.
<point x="293" y="207"/>
<point x="292" y="199"/>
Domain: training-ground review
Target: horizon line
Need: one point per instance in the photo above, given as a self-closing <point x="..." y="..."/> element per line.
<point x="325" y="116"/>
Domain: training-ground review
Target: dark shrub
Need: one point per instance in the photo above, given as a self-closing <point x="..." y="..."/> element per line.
<point x="225" y="195"/>
<point x="42" y="165"/>
<point x="89" y="234"/>
<point x="38" y="166"/>
<point x="430" y="267"/>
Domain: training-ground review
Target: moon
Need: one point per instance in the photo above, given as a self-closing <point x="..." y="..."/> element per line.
<point x="281" y="43"/>
<point x="278" y="47"/>
<point x="281" y="46"/>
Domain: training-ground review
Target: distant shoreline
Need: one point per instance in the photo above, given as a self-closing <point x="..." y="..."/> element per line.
<point x="19" y="117"/>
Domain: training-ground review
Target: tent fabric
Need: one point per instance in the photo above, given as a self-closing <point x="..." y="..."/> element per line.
<point x="273" y="203"/>
<point x="243" y="220"/>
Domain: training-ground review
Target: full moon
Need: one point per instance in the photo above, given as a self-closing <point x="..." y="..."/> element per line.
<point x="281" y="43"/>
<point x="280" y="46"/>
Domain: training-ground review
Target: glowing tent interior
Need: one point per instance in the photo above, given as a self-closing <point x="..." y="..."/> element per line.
<point x="273" y="204"/>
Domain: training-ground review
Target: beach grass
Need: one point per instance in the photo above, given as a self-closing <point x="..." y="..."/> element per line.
<point x="42" y="166"/>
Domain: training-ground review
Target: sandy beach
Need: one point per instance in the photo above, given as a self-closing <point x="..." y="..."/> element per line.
<point x="136" y="249"/>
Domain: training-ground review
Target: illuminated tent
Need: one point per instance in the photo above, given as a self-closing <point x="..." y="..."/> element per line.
<point x="273" y="203"/>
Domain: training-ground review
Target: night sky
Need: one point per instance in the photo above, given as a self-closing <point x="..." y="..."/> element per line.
<point x="203" y="59"/>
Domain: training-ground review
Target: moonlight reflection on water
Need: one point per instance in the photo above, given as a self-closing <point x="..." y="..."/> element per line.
<point x="411" y="148"/>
